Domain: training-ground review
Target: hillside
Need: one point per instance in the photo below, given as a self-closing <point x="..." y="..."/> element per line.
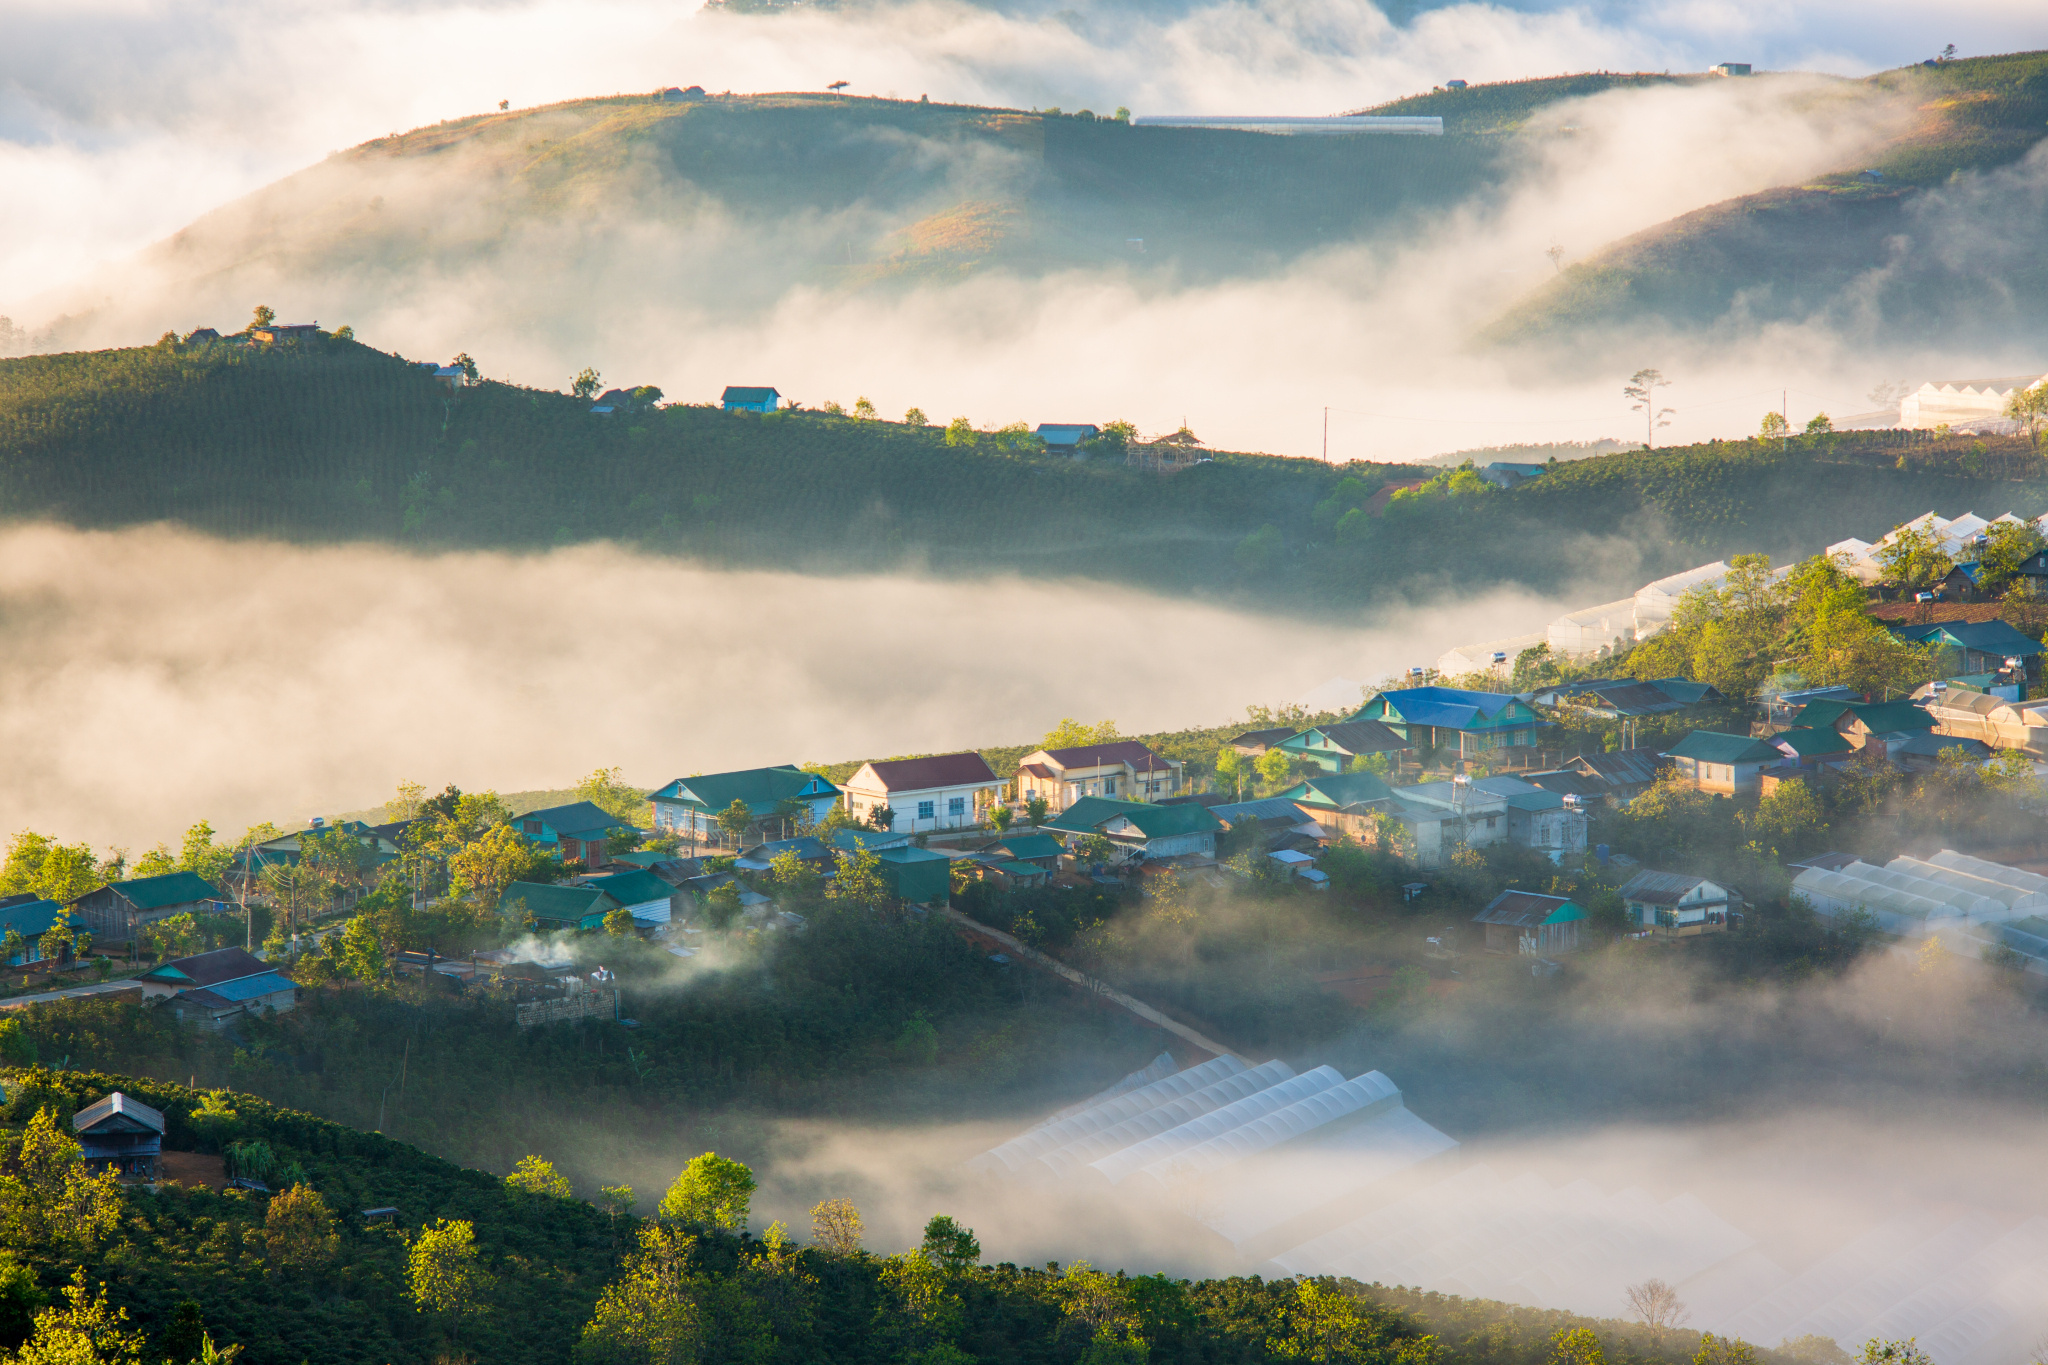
<point x="1939" y="232"/>
<point x="333" y="440"/>
<point x="191" y="1248"/>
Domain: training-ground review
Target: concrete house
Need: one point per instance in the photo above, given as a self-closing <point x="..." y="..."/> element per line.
<point x="117" y="912"/>
<point x="1728" y="764"/>
<point x="1443" y="817"/>
<point x="1140" y="829"/>
<point x="1334" y="747"/>
<point x="689" y="807"/>
<point x="1451" y="722"/>
<point x="740" y="398"/>
<point x="1673" y="905"/>
<point x="1124" y="770"/>
<point x="1525" y="922"/>
<point x="946" y="791"/>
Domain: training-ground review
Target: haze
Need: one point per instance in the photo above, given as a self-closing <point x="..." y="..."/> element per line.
<point x="154" y="677"/>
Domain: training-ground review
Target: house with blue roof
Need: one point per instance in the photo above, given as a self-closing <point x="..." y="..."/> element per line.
<point x="1452" y="723"/>
<point x="30" y="917"/>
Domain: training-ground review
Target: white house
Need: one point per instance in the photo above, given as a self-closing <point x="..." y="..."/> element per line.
<point x="946" y="791"/>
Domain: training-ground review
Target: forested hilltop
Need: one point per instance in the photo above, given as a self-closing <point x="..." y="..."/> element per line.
<point x="463" y="1266"/>
<point x="331" y="440"/>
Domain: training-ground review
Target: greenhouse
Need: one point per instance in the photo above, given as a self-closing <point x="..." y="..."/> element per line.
<point x="1900" y="903"/>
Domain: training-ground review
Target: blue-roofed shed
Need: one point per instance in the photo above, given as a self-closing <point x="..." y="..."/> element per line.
<point x="1466" y="724"/>
<point x="742" y="398"/>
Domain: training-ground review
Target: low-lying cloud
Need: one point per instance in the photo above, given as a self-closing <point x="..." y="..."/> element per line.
<point x="155" y="677"/>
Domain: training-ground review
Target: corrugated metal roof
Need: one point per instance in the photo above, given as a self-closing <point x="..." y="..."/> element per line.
<point x="1711" y="746"/>
<point x="207" y="969"/>
<point x="925" y="774"/>
<point x="117" y="1103"/>
<point x="1661" y="888"/>
<point x="1527" y="909"/>
<point x="172" y="888"/>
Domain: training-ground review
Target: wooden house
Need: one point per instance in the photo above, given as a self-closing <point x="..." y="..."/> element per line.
<point x="1526" y="922"/>
<point x="1673" y="905"/>
<point x="120" y="1134"/>
<point x="118" y="911"/>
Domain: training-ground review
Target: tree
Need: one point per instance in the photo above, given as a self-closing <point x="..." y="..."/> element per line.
<point x="1913" y="557"/>
<point x="734" y="820"/>
<point x="1556" y="254"/>
<point x="1000" y="816"/>
<point x="443" y="1273"/>
<point x="1774" y="427"/>
<point x="1096" y="849"/>
<point x="262" y="317"/>
<point x="1815" y="1349"/>
<point x="484" y="866"/>
<point x="950" y="1246"/>
<point x="722" y="906"/>
<point x="1820" y="424"/>
<point x="960" y="432"/>
<point x="882" y="818"/>
<point x="362" y="951"/>
<point x="606" y="790"/>
<point x="50" y="1198"/>
<point x="793" y="876"/>
<point x="537" y="1175"/>
<point x="297" y="889"/>
<point x="586" y="383"/>
<point x="1641" y="389"/>
<point x="619" y="923"/>
<point x="649" y="1315"/>
<point x="836" y="1227"/>
<point x="83" y="1330"/>
<point x="1230" y="767"/>
<point x="1072" y="734"/>
<point x="298" y="1230"/>
<point x="1036" y="809"/>
<point x="616" y="1202"/>
<point x="713" y="1190"/>
<point x="1715" y="1350"/>
<point x="1657" y="1304"/>
<point x="915" y="418"/>
<point x="1324" y="1325"/>
<point x="863" y="409"/>
<point x="1274" y="765"/>
<point x="1576" y="1346"/>
<point x="2029" y="408"/>
<point x="466" y="365"/>
<point x="2007" y="545"/>
<point x="1907" y="1352"/>
<point x="1788" y="821"/>
<point x="1099" y="1304"/>
<point x="52" y="871"/>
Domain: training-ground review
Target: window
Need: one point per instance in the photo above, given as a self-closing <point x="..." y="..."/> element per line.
<point x="924" y="810"/>
<point x="956" y="805"/>
<point x="1109" y="786"/>
<point x="533" y="826"/>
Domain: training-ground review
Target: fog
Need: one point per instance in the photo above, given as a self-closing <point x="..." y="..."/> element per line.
<point x="1892" y="1101"/>
<point x="175" y="112"/>
<point x="155" y="677"/>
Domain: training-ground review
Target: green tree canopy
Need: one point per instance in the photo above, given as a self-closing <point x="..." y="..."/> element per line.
<point x="713" y="1190"/>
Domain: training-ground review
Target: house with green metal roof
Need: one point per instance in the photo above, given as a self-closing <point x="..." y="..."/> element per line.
<point x="1342" y="803"/>
<point x="1810" y="746"/>
<point x="117" y="912"/>
<point x="578" y="831"/>
<point x="1964" y="647"/>
<point x="1717" y="762"/>
<point x="914" y="874"/>
<point x="1142" y="829"/>
<point x="553" y="907"/>
<point x="648" y="898"/>
<point x="1335" y="747"/>
<point x="1452" y="723"/>
<point x="1528" y="922"/>
<point x="776" y="798"/>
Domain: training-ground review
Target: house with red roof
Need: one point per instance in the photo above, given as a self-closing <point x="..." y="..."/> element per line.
<point x="1121" y="771"/>
<point x="923" y="795"/>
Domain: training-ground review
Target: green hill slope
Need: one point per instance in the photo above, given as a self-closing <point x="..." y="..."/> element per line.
<point x="546" y="1259"/>
<point x="334" y="440"/>
<point x="1945" y="237"/>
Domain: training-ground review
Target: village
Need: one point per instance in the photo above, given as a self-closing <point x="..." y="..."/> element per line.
<point x="1526" y="757"/>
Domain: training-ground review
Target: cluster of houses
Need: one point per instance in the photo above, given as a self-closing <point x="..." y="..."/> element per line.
<point x="1612" y="627"/>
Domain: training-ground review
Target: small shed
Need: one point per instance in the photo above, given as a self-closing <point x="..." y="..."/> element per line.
<point x="1525" y="921"/>
<point x="1042" y="849"/>
<point x="121" y="1134"/>
<point x="916" y="874"/>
